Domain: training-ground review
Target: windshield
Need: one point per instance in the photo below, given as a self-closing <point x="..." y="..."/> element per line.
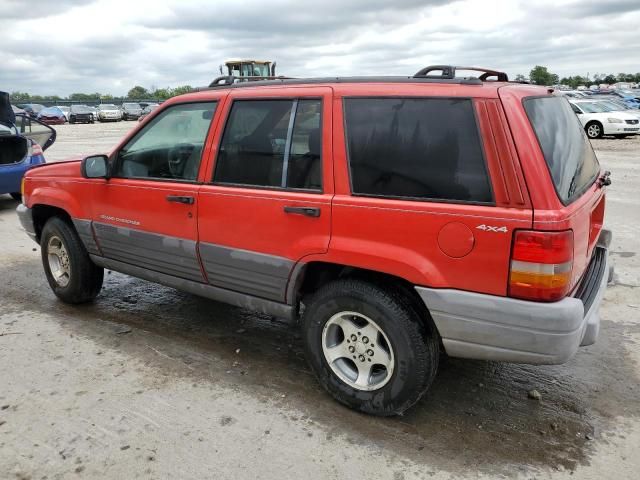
<point x="107" y="106"/>
<point x="51" y="111"/>
<point x="613" y="106"/>
<point x="588" y="107"/>
<point x="572" y="163"/>
<point x="80" y="109"/>
<point x="132" y="106"/>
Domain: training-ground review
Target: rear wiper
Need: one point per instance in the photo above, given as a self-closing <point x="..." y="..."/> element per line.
<point x="604" y="179"/>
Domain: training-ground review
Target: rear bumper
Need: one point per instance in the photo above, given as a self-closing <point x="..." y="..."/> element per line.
<point x="488" y="327"/>
<point x="25" y="214"/>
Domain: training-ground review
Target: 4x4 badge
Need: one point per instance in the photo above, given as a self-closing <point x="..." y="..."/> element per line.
<point x="491" y="228"/>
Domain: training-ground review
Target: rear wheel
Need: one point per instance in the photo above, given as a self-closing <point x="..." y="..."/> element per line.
<point x="71" y="274"/>
<point x="594" y="130"/>
<point x="16" y="196"/>
<point x="368" y="346"/>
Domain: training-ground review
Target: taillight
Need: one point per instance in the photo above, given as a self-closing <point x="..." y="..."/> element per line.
<point x="35" y="149"/>
<point x="541" y="265"/>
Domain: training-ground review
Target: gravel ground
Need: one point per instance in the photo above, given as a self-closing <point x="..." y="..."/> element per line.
<point x="148" y="382"/>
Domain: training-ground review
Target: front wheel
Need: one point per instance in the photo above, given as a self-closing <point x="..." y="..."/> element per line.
<point x="594" y="130"/>
<point x="71" y="274"/>
<point x="368" y="346"/>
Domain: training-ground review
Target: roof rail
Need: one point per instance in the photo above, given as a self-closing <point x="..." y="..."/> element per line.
<point x="449" y="73"/>
<point x="226" y="80"/>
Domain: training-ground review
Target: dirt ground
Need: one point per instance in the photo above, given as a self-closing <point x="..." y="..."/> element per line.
<point x="148" y="382"/>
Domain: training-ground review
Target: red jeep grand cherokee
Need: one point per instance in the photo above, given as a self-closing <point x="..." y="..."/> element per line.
<point x="397" y="217"/>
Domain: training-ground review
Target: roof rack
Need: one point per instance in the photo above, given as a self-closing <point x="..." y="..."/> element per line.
<point x="449" y="73"/>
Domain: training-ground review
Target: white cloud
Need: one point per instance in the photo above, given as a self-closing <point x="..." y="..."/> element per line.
<point x="111" y="45"/>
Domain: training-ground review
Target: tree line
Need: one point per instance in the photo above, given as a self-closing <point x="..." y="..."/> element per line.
<point x="136" y="93"/>
<point x="541" y="75"/>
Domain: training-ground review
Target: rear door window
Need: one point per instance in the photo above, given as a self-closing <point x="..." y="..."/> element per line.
<point x="417" y="148"/>
<point x="273" y="144"/>
<point x="572" y="163"/>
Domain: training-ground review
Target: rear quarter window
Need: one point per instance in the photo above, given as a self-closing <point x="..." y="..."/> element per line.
<point x="416" y="148"/>
<point x="567" y="151"/>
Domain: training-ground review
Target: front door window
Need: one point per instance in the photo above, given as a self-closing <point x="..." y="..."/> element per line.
<point x="170" y="146"/>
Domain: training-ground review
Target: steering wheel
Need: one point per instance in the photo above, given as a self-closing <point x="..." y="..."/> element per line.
<point x="177" y="158"/>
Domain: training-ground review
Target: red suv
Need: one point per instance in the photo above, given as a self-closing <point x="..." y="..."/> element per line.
<point x="398" y="218"/>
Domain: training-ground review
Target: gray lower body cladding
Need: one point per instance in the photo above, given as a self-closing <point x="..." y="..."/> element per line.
<point x="487" y="327"/>
<point x="160" y="253"/>
<point x="25" y="215"/>
<point x="253" y="273"/>
<point x="237" y="299"/>
<point x="85" y="232"/>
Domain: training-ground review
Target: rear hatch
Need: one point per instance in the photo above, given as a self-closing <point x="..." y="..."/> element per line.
<point x="575" y="173"/>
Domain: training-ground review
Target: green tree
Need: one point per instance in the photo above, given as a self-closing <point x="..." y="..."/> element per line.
<point x="138" y="92"/>
<point x="161" y="93"/>
<point x="19" y="97"/>
<point x="541" y="76"/>
<point x="609" y="79"/>
<point x="520" y="78"/>
<point x="181" y="90"/>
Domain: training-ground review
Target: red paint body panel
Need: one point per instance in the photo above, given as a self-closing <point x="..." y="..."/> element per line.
<point x="549" y="213"/>
<point x="254" y="218"/>
<point x="398" y="237"/>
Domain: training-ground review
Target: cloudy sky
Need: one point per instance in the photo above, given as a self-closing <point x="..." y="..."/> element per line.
<point x="64" y="46"/>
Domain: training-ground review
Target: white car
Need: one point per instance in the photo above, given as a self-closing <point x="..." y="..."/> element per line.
<point x="599" y="120"/>
<point x="109" y="112"/>
<point x="65" y="110"/>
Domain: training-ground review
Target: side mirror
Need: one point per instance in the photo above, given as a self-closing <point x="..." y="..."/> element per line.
<point x="95" y="166"/>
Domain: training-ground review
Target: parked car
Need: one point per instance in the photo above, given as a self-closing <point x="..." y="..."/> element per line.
<point x="94" y="112"/>
<point x="17" y="110"/>
<point x="108" y="112"/>
<point x="52" y="116"/>
<point x="629" y="100"/>
<point x="64" y="110"/>
<point x="598" y="120"/>
<point x="147" y="110"/>
<point x="131" y="111"/>
<point x="80" y="114"/>
<point x="32" y="109"/>
<point x="22" y="141"/>
<point x="616" y="105"/>
<point x="394" y="217"/>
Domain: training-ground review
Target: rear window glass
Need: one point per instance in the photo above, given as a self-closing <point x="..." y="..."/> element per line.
<point x="567" y="151"/>
<point x="417" y="148"/>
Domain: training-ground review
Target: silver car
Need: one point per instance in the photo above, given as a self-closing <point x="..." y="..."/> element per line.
<point x="107" y="112"/>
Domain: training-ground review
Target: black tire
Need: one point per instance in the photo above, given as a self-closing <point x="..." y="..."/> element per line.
<point x="594" y="130"/>
<point x="16" y="196"/>
<point x="413" y="340"/>
<point x="85" y="277"/>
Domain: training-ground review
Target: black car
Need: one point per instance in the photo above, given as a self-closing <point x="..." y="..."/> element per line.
<point x="131" y="111"/>
<point x="80" y="114"/>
